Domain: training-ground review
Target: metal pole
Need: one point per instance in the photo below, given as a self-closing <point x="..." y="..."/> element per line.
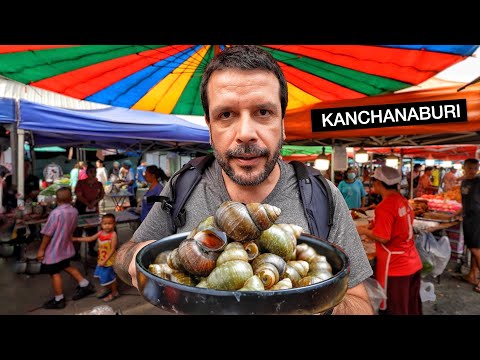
<point x="21" y="163"/>
<point x="14" y="146"/>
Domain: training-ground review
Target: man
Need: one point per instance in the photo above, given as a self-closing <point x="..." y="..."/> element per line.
<point x="244" y="96"/>
<point x="425" y="185"/>
<point x="416" y="177"/>
<point x="470" y="189"/>
<point x="450" y="180"/>
<point x="398" y="264"/>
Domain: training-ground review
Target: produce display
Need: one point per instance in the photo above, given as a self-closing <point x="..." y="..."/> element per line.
<point x="441" y="202"/>
<point x="241" y="248"/>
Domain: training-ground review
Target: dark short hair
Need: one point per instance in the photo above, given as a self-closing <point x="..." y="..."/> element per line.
<point x="416" y="166"/>
<point x="428" y="168"/>
<point x="244" y="57"/>
<point x="471" y="161"/>
<point x="109" y="216"/>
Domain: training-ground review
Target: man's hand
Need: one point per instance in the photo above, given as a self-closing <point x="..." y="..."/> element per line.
<point x="124" y="264"/>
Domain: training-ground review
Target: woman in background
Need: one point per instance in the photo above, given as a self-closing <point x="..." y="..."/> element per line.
<point x="156" y="178"/>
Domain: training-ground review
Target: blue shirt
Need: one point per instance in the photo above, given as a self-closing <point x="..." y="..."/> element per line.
<point x="140" y="171"/>
<point x="155" y="191"/>
<point x="352" y="193"/>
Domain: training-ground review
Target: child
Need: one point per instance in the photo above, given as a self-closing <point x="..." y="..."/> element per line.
<point x="56" y="250"/>
<point x="107" y="245"/>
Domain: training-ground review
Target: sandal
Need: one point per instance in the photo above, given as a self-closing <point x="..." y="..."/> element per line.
<point x="104" y="294"/>
<point x="476" y="288"/>
<point x="111" y="297"/>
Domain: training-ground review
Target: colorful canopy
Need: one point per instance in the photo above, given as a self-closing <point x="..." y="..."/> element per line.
<point x="166" y="78"/>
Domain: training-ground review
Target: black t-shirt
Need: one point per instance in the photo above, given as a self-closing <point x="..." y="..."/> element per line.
<point x="470" y="189"/>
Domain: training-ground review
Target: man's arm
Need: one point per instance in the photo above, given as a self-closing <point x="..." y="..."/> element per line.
<point x="356" y="301"/>
<point x="124" y="264"/>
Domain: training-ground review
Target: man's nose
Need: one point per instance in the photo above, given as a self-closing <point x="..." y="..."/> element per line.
<point x="246" y="130"/>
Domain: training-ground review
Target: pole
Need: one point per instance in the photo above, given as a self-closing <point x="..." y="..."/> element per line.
<point x="14" y="146"/>
<point x="21" y="163"/>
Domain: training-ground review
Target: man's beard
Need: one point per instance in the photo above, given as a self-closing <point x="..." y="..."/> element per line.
<point x="243" y="150"/>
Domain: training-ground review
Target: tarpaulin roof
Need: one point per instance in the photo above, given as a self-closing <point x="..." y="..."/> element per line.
<point x="445" y="152"/>
<point x="7" y="110"/>
<point x="105" y="127"/>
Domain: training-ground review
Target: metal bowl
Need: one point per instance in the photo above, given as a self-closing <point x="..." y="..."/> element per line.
<point x="183" y="299"/>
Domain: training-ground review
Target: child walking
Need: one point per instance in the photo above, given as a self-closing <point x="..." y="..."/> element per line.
<point x="56" y="250"/>
<point x="107" y="242"/>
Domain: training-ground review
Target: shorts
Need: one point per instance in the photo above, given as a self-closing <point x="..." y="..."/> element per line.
<point x="105" y="274"/>
<point x="53" y="269"/>
<point x="471" y="233"/>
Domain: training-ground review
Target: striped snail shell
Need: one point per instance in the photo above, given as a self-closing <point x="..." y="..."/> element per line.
<point x="243" y="222"/>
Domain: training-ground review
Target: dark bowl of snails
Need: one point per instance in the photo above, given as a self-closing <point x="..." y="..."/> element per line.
<point x="179" y="298"/>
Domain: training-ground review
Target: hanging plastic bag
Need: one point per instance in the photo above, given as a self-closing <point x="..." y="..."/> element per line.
<point x="441" y="251"/>
<point x="427" y="291"/>
<point x="375" y="293"/>
<point x="425" y="256"/>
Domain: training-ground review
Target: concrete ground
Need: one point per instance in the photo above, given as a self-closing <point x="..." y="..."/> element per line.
<point x="22" y="294"/>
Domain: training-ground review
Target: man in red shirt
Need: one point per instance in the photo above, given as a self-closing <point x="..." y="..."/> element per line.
<point x="398" y="264"/>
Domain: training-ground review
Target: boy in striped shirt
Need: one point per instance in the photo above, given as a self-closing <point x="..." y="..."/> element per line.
<point x="57" y="248"/>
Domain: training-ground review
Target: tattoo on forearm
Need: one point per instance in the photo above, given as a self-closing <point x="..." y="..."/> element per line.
<point x="122" y="261"/>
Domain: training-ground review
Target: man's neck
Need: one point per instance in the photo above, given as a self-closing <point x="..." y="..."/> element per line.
<point x="248" y="194"/>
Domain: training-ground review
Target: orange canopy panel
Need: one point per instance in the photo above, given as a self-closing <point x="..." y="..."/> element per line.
<point x="298" y="124"/>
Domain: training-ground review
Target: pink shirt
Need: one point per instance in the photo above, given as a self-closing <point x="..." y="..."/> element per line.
<point x="60" y="225"/>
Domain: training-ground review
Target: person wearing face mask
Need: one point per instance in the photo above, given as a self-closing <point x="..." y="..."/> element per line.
<point x="352" y="190"/>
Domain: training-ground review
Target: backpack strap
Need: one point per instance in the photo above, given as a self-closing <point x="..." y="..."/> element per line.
<point x="316" y="197"/>
<point x="182" y="184"/>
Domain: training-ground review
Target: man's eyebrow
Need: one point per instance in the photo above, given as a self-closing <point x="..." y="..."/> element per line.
<point x="220" y="109"/>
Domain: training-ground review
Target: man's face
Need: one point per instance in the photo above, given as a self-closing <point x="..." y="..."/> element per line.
<point x="470" y="170"/>
<point x="246" y="125"/>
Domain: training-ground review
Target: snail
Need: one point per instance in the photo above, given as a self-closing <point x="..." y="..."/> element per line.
<point x="280" y="240"/>
<point x="253" y="284"/>
<point x="243" y="222"/>
<point x="162" y="257"/>
<point x="208" y="222"/>
<point x="269" y="268"/>
<point x="283" y="284"/>
<point x="166" y="272"/>
<point x="198" y="256"/>
<point x="305" y="252"/>
<point x="233" y="251"/>
<point x="231" y="275"/>
<point x="251" y="248"/>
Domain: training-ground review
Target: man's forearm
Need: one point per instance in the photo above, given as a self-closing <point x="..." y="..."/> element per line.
<point x="123" y="259"/>
<point x="355" y="302"/>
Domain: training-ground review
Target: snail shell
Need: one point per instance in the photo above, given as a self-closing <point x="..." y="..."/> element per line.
<point x="161" y="270"/>
<point x="273" y="259"/>
<point x="253" y="284"/>
<point x="211" y="239"/>
<point x="301" y="266"/>
<point x="173" y="260"/>
<point x="243" y="222"/>
<point x="282" y="285"/>
<point x="308" y="280"/>
<point x="162" y="257"/>
<point x="166" y="272"/>
<point x="277" y="241"/>
<point x="320" y="266"/>
<point x="194" y="259"/>
<point x="230" y="275"/>
<point x="208" y="222"/>
<point x="305" y="252"/>
<point x="292" y="274"/>
<point x="252" y="249"/>
<point x="322" y="275"/>
<point x="233" y="251"/>
<point x="268" y="274"/>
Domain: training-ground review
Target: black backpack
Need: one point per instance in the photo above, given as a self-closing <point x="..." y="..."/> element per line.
<point x="314" y="191"/>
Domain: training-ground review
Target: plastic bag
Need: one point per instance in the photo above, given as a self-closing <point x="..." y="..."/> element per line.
<point x="434" y="253"/>
<point x="427" y="291"/>
<point x="375" y="293"/>
<point x="99" y="310"/>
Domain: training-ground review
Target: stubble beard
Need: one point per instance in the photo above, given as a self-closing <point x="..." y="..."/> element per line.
<point x="248" y="179"/>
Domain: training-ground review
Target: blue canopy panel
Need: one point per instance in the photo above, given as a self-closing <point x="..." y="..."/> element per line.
<point x="7" y="110"/>
<point x="112" y="125"/>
